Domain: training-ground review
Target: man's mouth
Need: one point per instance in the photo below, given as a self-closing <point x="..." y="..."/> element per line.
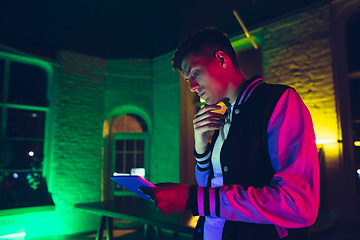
<point x="201" y="94"/>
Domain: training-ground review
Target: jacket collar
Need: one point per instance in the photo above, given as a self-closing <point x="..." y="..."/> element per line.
<point x="247" y="89"/>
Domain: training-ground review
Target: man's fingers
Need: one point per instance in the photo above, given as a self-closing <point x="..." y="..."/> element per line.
<point x="209" y="127"/>
<point x="219" y="120"/>
<point x="207" y="108"/>
<point x="209" y="117"/>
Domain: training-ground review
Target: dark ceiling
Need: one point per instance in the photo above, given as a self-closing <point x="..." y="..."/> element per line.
<point x="128" y="28"/>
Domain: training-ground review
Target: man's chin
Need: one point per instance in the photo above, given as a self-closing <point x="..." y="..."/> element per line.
<point x="211" y="102"/>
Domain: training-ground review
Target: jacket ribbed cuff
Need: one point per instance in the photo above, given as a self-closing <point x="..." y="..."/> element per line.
<point x="203" y="160"/>
<point x="207" y="201"/>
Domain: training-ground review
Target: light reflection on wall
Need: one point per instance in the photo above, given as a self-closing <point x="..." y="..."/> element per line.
<point x="15" y="236"/>
<point x="324" y="141"/>
<point x="106" y="128"/>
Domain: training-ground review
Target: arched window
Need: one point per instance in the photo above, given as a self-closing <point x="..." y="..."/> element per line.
<point x="129" y="148"/>
<point x="129" y="123"/>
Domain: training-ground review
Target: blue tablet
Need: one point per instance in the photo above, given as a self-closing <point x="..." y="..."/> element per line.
<point x="132" y="183"/>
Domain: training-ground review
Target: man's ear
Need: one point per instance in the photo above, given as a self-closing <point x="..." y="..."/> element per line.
<point x="222" y="58"/>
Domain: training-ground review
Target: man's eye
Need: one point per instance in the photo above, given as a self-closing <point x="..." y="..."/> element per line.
<point x="196" y="73"/>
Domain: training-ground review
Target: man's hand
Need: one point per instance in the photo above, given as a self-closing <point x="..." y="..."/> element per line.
<point x="168" y="197"/>
<point x="205" y="120"/>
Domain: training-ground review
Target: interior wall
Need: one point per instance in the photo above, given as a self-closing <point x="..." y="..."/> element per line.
<point x="129" y="84"/>
<point x="165" y="148"/>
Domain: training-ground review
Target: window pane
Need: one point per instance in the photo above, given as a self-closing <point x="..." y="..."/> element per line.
<point x="355" y="98"/>
<point x="24" y="189"/>
<point x="25" y="123"/>
<point x="140" y="160"/>
<point x="119" y="145"/>
<point x="27" y="154"/>
<point x="133" y="153"/>
<point x="356" y="137"/>
<point x="119" y="163"/>
<point x="0" y="121"/>
<point x="118" y="187"/>
<point x="353" y="42"/>
<point x="2" y="67"/>
<point x="130" y="145"/>
<point x="128" y="154"/>
<point x="129" y="162"/>
<point x="140" y="145"/>
<point x="6" y="155"/>
<point x="28" y="84"/>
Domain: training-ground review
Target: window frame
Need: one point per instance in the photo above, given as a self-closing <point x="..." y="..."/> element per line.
<point x="353" y="76"/>
<point x="130" y="136"/>
<point x="107" y="169"/>
<point x="47" y="144"/>
<point x="342" y="11"/>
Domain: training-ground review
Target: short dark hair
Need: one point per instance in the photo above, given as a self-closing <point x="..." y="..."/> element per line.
<point x="205" y="44"/>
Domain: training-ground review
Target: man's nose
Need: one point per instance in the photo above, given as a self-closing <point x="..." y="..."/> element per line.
<point x="193" y="85"/>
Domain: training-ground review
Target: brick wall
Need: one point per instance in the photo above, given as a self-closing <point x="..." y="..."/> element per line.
<point x="165" y="150"/>
<point x="296" y="52"/>
<point x="129" y="82"/>
<point x="76" y="165"/>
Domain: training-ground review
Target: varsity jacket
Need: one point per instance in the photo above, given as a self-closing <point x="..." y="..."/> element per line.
<point x="269" y="166"/>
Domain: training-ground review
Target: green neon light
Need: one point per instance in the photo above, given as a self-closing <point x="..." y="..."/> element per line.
<point x="14" y="235"/>
<point x="244" y="42"/>
<point x="26" y="107"/>
<point x="29" y="60"/>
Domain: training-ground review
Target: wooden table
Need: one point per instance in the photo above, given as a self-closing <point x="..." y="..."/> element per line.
<point x="136" y="209"/>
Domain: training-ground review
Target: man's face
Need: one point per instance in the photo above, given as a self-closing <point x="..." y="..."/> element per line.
<point x="205" y="77"/>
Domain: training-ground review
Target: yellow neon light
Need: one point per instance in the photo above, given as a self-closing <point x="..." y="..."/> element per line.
<point x="357" y="143"/>
<point x="324" y="141"/>
<point x="244" y="28"/>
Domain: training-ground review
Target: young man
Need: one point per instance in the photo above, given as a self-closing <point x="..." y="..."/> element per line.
<point x="258" y="177"/>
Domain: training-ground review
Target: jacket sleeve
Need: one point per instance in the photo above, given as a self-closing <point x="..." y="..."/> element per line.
<point x="292" y="198"/>
<point x="202" y="166"/>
